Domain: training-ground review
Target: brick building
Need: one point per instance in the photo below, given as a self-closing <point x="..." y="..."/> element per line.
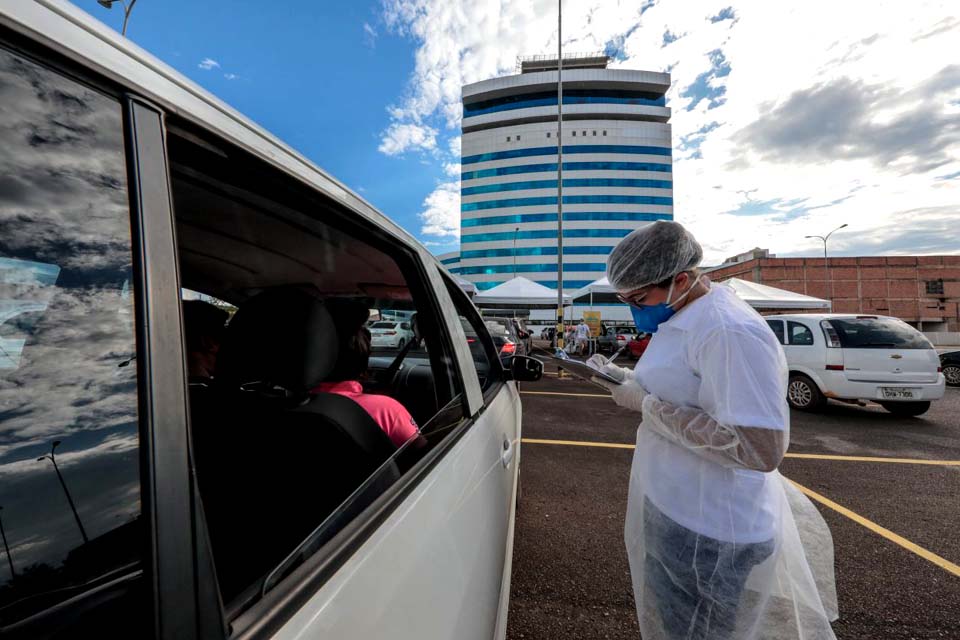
<point x="922" y="290"/>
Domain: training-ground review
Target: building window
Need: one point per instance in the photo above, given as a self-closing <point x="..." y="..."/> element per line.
<point x="583" y="133"/>
<point x="604" y="133"/>
<point x="574" y="134"/>
<point x="594" y="133"/>
<point x="548" y="134"/>
<point x="508" y="138"/>
<point x="518" y="137"/>
<point x="935" y="287"/>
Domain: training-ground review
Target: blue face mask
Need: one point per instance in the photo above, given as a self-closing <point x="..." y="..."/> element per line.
<point x="648" y="318"/>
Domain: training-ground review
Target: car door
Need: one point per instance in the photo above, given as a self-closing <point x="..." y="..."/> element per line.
<point x="804" y="352"/>
<point x="438" y="566"/>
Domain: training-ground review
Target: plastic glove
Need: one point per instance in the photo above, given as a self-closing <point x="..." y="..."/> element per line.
<point x="628" y="395"/>
<point x="599" y="363"/>
<point x="741" y="447"/>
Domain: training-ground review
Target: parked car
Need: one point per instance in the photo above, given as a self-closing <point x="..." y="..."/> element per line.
<point x="858" y="357"/>
<point x="390" y="334"/>
<point x="615" y="337"/>
<point x="638" y="345"/>
<point x="504" y="334"/>
<point x="242" y="504"/>
<point x="950" y="364"/>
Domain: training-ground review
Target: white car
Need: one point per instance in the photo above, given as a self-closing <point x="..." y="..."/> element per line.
<point x="857" y="358"/>
<point x="219" y="478"/>
<point x="388" y="334"/>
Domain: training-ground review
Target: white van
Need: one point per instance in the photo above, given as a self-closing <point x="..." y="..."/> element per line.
<point x="858" y="357"/>
<point x="166" y="475"/>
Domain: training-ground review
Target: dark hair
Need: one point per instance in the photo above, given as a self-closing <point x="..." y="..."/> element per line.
<point x="202" y="320"/>
<point x="353" y="339"/>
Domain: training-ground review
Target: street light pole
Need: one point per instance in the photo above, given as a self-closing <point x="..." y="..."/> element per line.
<point x="52" y="458"/>
<point x="3" y="534"/>
<point x="560" y="318"/>
<point x="826" y="262"/>
<point x="127" y="8"/>
<point x="515" y="231"/>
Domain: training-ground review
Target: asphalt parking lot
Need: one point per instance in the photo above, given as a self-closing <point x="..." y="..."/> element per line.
<point x="892" y="508"/>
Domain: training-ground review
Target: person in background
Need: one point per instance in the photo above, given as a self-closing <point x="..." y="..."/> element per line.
<point x="204" y="324"/>
<point x="583" y="337"/>
<point x="720" y="546"/>
<point x="353" y="359"/>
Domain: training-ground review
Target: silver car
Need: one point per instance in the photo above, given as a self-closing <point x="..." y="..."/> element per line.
<point x="227" y="465"/>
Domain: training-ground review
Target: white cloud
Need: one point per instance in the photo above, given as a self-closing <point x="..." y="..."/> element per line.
<point x="231" y="76"/>
<point x="877" y="170"/>
<point x="452" y="169"/>
<point x="369" y="35"/>
<point x="441" y="211"/>
<point x="399" y="138"/>
<point x="208" y="64"/>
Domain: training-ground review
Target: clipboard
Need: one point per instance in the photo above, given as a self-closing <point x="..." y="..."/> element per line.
<point x="581" y="369"/>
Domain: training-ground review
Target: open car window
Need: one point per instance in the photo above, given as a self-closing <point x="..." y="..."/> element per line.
<point x="315" y="356"/>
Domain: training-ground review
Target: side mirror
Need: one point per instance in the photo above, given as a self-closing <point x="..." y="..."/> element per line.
<point x="525" y="369"/>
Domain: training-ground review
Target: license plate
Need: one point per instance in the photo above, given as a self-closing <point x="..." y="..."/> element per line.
<point x="897" y="393"/>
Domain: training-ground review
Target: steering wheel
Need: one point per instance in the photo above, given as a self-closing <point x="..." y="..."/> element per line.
<point x="390" y="373"/>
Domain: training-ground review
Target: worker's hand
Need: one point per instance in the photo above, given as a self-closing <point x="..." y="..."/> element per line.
<point x="629" y="395"/>
<point x="598" y="363"/>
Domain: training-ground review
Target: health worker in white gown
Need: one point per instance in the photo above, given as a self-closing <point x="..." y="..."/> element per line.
<point x="720" y="545"/>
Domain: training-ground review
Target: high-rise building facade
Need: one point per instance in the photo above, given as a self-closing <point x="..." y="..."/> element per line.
<point x="617" y="169"/>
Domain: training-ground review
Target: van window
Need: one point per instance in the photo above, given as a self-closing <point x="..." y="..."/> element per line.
<point x="777" y="327"/>
<point x="69" y="468"/>
<point x="799" y="334"/>
<point x="295" y="387"/>
<point x="878" y="333"/>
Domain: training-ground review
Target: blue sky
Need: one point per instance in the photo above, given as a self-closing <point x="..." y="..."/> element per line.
<point x="784" y="124"/>
<point x="307" y="71"/>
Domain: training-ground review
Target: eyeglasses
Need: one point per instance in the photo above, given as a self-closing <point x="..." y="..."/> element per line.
<point x="634" y="299"/>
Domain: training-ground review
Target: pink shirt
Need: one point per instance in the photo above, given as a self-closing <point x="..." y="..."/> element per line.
<point x="392" y="417"/>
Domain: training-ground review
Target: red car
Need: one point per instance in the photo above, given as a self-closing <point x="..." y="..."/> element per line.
<point x="638" y="345"/>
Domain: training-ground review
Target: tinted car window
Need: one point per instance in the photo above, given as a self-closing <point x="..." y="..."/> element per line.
<point x="799" y="334"/>
<point x="878" y="333"/>
<point x="777" y="327"/>
<point x="69" y="470"/>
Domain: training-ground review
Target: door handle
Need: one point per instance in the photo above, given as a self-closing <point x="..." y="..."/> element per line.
<point x="507" y="454"/>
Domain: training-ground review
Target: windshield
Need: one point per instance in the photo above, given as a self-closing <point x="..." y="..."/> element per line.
<point x="878" y="333"/>
<point x="384" y="325"/>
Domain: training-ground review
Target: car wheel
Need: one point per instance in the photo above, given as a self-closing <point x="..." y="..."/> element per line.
<point x="906" y="408"/>
<point x="803" y="394"/>
<point x="952" y="373"/>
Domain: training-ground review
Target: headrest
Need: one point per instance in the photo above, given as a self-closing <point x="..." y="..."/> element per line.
<point x="284" y="337"/>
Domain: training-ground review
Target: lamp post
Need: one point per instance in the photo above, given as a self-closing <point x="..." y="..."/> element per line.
<point x="826" y="264"/>
<point x="560" y="313"/>
<point x="127" y="8"/>
<point x="515" y="231"/>
<point x="52" y="458"/>
<point x="3" y="534"/>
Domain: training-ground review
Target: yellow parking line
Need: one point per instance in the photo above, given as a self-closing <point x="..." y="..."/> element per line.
<point x="806" y="456"/>
<point x="943" y="563"/>
<point x="575" y="443"/>
<point x="573" y="395"/>
<point x="819" y="456"/>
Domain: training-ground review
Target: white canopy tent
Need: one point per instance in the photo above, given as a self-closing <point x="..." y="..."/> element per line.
<point x="764" y="297"/>
<point x="520" y="293"/>
<point x="468" y="287"/>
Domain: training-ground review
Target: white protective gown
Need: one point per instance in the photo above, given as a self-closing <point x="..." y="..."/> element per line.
<point x="721" y="546"/>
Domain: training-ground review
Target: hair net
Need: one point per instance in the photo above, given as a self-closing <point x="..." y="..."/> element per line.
<point x="652" y="254"/>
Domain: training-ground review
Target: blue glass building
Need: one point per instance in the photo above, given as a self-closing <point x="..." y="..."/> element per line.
<point x="617" y="169"/>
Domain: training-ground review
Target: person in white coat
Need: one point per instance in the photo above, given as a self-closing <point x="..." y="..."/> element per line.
<point x="711" y="530"/>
